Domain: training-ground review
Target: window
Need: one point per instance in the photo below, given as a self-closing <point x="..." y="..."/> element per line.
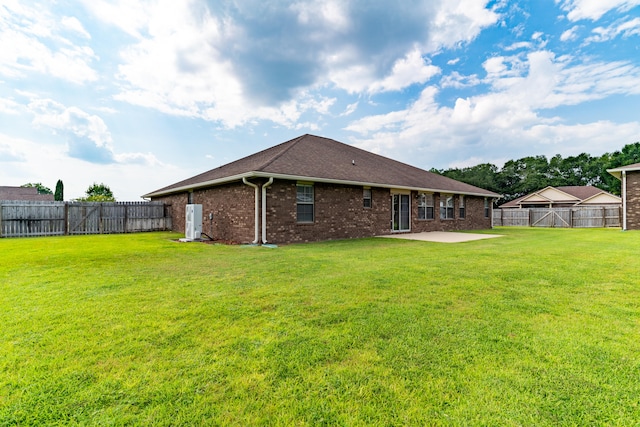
<point x="425" y="206"/>
<point x="304" y="201"/>
<point x="366" y="197"/>
<point x="461" y="207"/>
<point x="487" y="207"/>
<point x="446" y="206"/>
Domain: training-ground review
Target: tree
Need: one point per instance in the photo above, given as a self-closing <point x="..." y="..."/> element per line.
<point x="58" y="196"/>
<point x="41" y="188"/>
<point x="482" y="175"/>
<point x="98" y="193"/>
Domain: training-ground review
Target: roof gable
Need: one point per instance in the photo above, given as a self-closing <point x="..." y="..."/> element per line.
<point x="558" y="195"/>
<point x="316" y="158"/>
<point x="534" y="198"/>
<point x="603" y="198"/>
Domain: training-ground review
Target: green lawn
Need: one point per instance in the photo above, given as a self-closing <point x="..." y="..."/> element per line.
<point x="540" y="327"/>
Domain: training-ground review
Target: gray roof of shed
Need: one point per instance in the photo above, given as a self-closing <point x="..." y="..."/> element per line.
<point x="23" y="194"/>
<point x="319" y="159"/>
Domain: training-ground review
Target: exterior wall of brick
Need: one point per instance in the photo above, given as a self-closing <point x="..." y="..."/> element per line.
<point x="339" y="213"/>
<point x="338" y="210"/>
<point x="474" y="215"/>
<point x="232" y="206"/>
<point x="633" y="200"/>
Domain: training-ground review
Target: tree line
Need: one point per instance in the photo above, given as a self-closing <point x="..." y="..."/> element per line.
<point x="95" y="192"/>
<point x="528" y="174"/>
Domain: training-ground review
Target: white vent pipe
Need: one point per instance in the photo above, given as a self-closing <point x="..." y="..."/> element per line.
<point x="264" y="209"/>
<point x="256" y="209"/>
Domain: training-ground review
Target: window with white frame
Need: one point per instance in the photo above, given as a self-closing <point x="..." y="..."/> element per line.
<point x="425" y="206"/>
<point x="304" y="201"/>
<point x="461" y="207"/>
<point x="366" y="197"/>
<point x="487" y="207"/>
<point x="446" y="206"/>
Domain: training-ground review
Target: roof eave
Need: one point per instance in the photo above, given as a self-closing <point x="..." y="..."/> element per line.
<point x="617" y="172"/>
<point x="259" y="174"/>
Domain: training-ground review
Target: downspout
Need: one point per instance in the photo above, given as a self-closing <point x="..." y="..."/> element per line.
<point x="624" y="200"/>
<point x="264" y="209"/>
<point x="256" y="209"/>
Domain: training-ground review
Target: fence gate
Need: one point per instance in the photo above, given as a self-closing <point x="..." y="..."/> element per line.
<point x="557" y="218"/>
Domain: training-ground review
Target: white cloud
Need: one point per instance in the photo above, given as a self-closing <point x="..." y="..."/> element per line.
<point x="458" y="81"/>
<point x="130" y="16"/>
<point x="32" y="42"/>
<point x="232" y="65"/>
<point x="571" y="34"/>
<point x="405" y="72"/>
<point x="72" y="23"/>
<point x="624" y="29"/>
<point x="85" y="136"/>
<point x="351" y="108"/>
<point x="9" y="106"/>
<point x="594" y="9"/>
<point x="508" y="117"/>
<point x="458" y="22"/>
<point x="519" y="45"/>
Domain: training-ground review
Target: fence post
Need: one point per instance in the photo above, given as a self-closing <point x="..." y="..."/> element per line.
<point x="126" y="218"/>
<point x="570" y="218"/>
<point x="0" y="219"/>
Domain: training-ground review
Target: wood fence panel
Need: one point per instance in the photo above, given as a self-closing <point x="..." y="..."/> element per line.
<point x="515" y="217"/>
<point x="24" y="219"/>
<point x="612" y="215"/>
<point x="31" y="219"/>
<point x="581" y="217"/>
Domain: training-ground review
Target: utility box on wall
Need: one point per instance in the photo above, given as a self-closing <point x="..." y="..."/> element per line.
<point x="193" y="224"/>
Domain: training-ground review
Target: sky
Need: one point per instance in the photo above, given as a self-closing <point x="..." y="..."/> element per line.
<point x="139" y="94"/>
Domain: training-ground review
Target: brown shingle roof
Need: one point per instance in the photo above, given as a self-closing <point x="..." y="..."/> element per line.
<point x="317" y="158"/>
<point x="581" y="192"/>
<point x="23" y="194"/>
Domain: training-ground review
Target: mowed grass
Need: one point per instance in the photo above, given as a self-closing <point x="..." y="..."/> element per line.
<point x="539" y="327"/>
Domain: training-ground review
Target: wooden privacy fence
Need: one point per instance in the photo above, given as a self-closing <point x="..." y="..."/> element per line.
<point x="27" y="218"/>
<point x="582" y="217"/>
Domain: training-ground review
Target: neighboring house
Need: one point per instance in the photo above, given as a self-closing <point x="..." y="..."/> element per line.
<point x="24" y="194"/>
<point x="313" y="188"/>
<point x="564" y="197"/>
<point x="630" y="179"/>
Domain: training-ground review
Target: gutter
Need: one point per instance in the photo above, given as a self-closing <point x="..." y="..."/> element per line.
<point x="257" y="215"/>
<point x="264" y="209"/>
<point x="624" y="200"/>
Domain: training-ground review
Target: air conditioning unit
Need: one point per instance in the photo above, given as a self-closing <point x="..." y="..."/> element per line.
<point x="193" y="222"/>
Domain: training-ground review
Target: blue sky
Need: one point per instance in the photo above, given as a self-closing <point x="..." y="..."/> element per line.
<point x="138" y="94"/>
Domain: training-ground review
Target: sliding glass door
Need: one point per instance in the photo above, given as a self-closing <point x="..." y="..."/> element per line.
<point x="401" y="207"/>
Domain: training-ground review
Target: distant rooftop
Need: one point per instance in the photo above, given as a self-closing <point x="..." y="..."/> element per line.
<point x="24" y="194"/>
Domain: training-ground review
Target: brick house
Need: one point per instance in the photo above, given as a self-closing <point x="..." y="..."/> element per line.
<point x="630" y="178"/>
<point x="313" y="188"/>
